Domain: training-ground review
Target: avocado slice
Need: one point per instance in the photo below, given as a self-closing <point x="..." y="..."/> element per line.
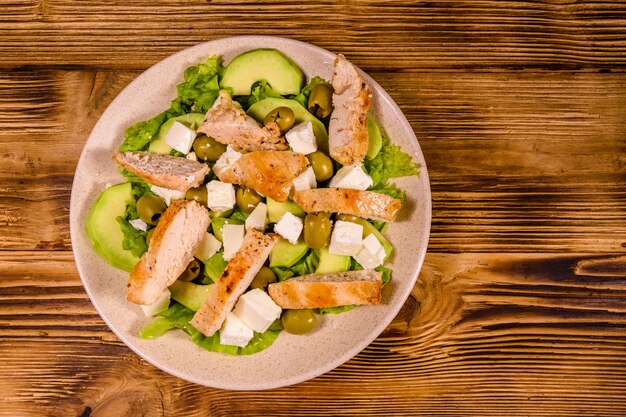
<point x="330" y="263"/>
<point x="262" y="64"/>
<point x="368" y="229"/>
<point x="261" y="108"/>
<point x="275" y="209"/>
<point x="158" y="144"/>
<point x="375" y="139"/>
<point x="218" y="224"/>
<point x="104" y="232"/>
<point x="287" y="254"/>
<point x="189" y="294"/>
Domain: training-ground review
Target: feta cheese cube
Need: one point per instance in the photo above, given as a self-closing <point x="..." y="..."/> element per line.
<point x="301" y="138"/>
<point x="234" y="332"/>
<point x="180" y="137"/>
<point x="220" y="195"/>
<point x="167" y="194"/>
<point x="257" y="310"/>
<point x="351" y="176"/>
<point x="232" y="234"/>
<point x="258" y="218"/>
<point x="371" y="254"/>
<point x="159" y="305"/>
<point x="226" y="160"/>
<point x="138" y="224"/>
<point x="209" y="245"/>
<point x="305" y="181"/>
<point x="346" y="238"/>
<point x="192" y="156"/>
<point x="289" y="226"/>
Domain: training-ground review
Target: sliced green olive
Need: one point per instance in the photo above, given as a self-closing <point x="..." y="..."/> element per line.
<point x="263" y="278"/>
<point x="282" y="116"/>
<point x="317" y="229"/>
<point x="299" y="321"/>
<point x="247" y="199"/>
<point x="321" y="164"/>
<point x="321" y="101"/>
<point x="208" y="149"/>
<point x="198" y="194"/>
<point x="191" y="272"/>
<point x="150" y="208"/>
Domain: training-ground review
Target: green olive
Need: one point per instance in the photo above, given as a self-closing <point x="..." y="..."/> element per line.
<point x="150" y="208"/>
<point x="149" y="235"/>
<point x="247" y="199"/>
<point x="321" y="164"/>
<point x="321" y="101"/>
<point x="198" y="194"/>
<point x="317" y="228"/>
<point x="263" y="278"/>
<point x="208" y="149"/>
<point x="299" y="321"/>
<point x="191" y="272"/>
<point x="282" y="116"/>
<point x="215" y="214"/>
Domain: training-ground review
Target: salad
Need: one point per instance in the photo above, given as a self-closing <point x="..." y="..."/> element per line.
<point x="256" y="202"/>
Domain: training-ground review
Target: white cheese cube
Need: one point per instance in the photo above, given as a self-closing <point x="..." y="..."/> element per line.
<point x="257" y="310"/>
<point x="180" y="137"/>
<point x="305" y="181"/>
<point x="159" y="305"/>
<point x="232" y="234"/>
<point x="138" y="224"/>
<point x="192" y="156"/>
<point x="289" y="226"/>
<point x="371" y="254"/>
<point x="209" y="245"/>
<point x="258" y="218"/>
<point x="234" y="332"/>
<point x="351" y="176"/>
<point x="167" y="194"/>
<point x="301" y="138"/>
<point x="226" y="160"/>
<point x="346" y="238"/>
<point x="220" y="195"/>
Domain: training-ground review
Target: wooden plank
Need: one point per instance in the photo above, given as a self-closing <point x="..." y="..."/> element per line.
<point x="448" y="34"/>
<point x="524" y="162"/>
<point x="481" y="334"/>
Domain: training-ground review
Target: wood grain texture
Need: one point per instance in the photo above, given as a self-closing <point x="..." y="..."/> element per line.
<point x="519" y="108"/>
<point x="480" y="335"/>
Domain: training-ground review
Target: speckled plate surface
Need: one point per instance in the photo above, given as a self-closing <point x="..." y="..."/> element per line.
<point x="291" y="359"/>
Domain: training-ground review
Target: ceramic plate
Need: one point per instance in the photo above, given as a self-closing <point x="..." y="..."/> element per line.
<point x="291" y="359"/>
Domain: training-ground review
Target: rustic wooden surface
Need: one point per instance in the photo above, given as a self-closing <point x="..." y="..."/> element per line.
<point x="519" y="107"/>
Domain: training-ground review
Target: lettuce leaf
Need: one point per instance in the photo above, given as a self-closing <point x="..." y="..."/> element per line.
<point x="134" y="240"/>
<point x="260" y="91"/>
<point x="138" y="136"/>
<point x="389" y="189"/>
<point x="336" y="310"/>
<point x="391" y="162"/>
<point x="214" y="267"/>
<point x="303" y="97"/>
<point x="386" y="277"/>
<point x="306" y="265"/>
<point x="178" y="316"/>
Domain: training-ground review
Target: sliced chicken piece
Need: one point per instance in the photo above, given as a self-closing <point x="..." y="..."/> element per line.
<point x="268" y="172"/>
<point x="366" y="204"/>
<point x="234" y="280"/>
<point x="166" y="171"/>
<point x="176" y="238"/>
<point x="328" y="290"/>
<point x="347" y="131"/>
<point x="227" y="123"/>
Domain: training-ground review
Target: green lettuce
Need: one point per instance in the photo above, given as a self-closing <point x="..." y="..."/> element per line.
<point x="303" y="97"/>
<point x="336" y="310"/>
<point x="138" y="136"/>
<point x="134" y="240"/>
<point x="386" y="277"/>
<point x="391" y="162"/>
<point x="178" y="316"/>
<point x="214" y="267"/>
<point x="306" y="265"/>
<point x="260" y="91"/>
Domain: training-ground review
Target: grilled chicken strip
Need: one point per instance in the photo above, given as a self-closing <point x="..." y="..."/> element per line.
<point x="233" y="282"/>
<point x="347" y="131"/>
<point x="328" y="290"/>
<point x="176" y="238"/>
<point x="166" y="171"/>
<point x="268" y="172"/>
<point x="366" y="204"/>
<point x="227" y="123"/>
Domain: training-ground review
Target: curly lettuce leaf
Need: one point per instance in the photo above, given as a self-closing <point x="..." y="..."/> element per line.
<point x="134" y="240"/>
<point x="391" y="162"/>
<point x="260" y="91"/>
<point x="303" y="97"/>
<point x="138" y="136"/>
<point x="389" y="189"/>
<point x="178" y="316"/>
<point x="306" y="265"/>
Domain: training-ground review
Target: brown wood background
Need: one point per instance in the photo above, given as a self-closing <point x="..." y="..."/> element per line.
<point x="519" y="107"/>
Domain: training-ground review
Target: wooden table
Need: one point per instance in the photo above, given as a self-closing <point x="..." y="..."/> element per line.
<point x="519" y="107"/>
